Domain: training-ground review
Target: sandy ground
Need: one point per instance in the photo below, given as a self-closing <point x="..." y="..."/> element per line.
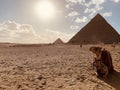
<point x="54" y="67"/>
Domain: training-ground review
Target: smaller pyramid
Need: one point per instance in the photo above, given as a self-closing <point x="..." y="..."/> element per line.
<point x="58" y="41"/>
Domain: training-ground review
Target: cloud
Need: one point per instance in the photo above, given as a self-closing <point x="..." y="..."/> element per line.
<point x="98" y="2"/>
<point x="116" y="1"/>
<point x="74" y="27"/>
<point x="69" y="6"/>
<point x="86" y="3"/>
<point x="92" y="6"/>
<point x="107" y="14"/>
<point x="71" y="3"/>
<point x="81" y="20"/>
<point x="88" y="10"/>
<point x="13" y="32"/>
<point x="10" y="25"/>
<point x="93" y="11"/>
<point x="75" y="1"/>
<point x="94" y="2"/>
<point x="74" y="13"/>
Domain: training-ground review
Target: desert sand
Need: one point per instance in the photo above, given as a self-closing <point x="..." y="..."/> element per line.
<point x="54" y="67"/>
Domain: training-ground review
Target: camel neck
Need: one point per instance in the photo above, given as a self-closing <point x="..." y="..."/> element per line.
<point x="98" y="55"/>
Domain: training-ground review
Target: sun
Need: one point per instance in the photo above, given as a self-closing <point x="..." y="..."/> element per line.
<point x="45" y="9"/>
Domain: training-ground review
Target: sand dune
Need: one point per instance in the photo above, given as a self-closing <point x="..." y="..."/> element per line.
<point x="54" y="67"/>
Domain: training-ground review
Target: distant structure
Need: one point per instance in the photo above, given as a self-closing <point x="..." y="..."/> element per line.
<point x="81" y="44"/>
<point x="98" y="30"/>
<point x="58" y="41"/>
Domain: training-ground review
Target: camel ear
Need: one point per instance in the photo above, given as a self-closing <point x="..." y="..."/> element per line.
<point x="91" y="49"/>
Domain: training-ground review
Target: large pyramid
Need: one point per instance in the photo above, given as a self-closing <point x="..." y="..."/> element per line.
<point x="98" y="30"/>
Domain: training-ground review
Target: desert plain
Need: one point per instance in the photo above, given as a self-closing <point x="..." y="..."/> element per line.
<point x="54" y="67"/>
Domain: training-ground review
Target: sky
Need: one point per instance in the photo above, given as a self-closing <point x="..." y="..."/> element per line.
<point x="43" y="21"/>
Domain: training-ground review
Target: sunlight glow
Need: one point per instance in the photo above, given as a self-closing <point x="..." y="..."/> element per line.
<point x="45" y="9"/>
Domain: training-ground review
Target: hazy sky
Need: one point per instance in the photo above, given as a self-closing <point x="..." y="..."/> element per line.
<point x="23" y="21"/>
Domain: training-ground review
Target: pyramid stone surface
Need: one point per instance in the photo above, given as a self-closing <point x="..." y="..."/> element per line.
<point x="58" y="41"/>
<point x="98" y="30"/>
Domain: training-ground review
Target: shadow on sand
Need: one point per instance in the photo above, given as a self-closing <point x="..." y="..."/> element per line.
<point x="114" y="80"/>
